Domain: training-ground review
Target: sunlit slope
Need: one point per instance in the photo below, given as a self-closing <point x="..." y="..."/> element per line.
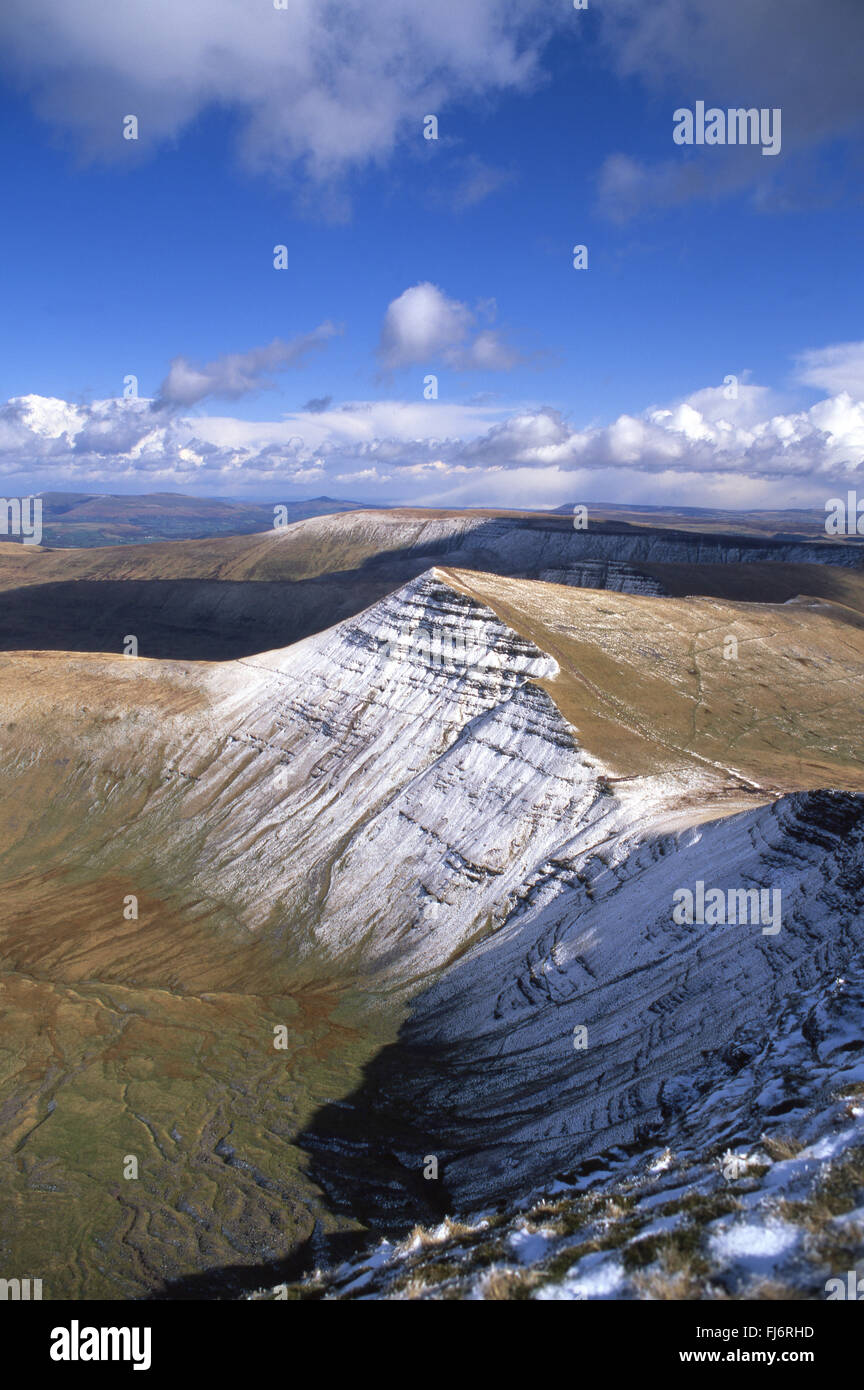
<point x="251" y="786"/>
<point x="767" y="693"/>
<point x="269" y="789"/>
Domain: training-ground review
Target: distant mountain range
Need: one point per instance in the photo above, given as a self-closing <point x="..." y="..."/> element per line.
<point x="222" y="597"/>
<point x="82" y="519"/>
<point x="792" y="523"/>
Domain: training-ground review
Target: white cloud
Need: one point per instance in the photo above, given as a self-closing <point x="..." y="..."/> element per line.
<point x="706" y="449"/>
<point x="490" y="353"/>
<point x="322" y="86"/>
<point x="738" y="402"/>
<point x="423" y="326"/>
<point x="321" y="83"/>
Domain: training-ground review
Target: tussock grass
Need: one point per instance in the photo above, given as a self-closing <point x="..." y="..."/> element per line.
<point x="780" y="1146"/>
<point x="839" y="1190"/>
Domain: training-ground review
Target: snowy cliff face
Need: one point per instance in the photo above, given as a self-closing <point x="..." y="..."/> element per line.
<point x="605" y="574"/>
<point x="400" y="790"/>
<point x="493" y="1060"/>
<point x="750" y="1200"/>
<point x="400" y="797"/>
<point x="482" y="542"/>
<point x="379" y="790"/>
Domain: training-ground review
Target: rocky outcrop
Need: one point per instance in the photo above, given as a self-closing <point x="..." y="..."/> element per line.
<point x="518" y="545"/>
<point x="494" y="1066"/>
<point x="605" y="574"/>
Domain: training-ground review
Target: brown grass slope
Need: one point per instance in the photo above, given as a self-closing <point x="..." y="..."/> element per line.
<point x="154" y="1038"/>
<point x="647" y="686"/>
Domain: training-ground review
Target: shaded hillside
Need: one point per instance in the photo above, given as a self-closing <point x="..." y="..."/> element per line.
<point x="218" y="599"/>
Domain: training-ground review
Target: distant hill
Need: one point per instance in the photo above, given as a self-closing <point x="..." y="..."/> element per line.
<point x="81" y="520"/>
<point x="789" y="524"/>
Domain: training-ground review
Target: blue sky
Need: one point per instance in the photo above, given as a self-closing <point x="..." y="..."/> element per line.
<point x="409" y="256"/>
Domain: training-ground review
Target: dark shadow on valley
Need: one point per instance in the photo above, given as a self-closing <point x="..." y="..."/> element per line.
<point x="369" y="1155"/>
<point x="179" y="619"/>
<point x="368" y="1158"/>
<point x="224" y="619"/>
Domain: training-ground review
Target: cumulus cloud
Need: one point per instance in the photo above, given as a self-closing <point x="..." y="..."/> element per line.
<point x="321" y="84"/>
<point x="737" y="402"/>
<point x="709" y="448"/>
<point x="236" y="374"/>
<point x="423" y="326"/>
<point x="490" y="353"/>
<point x="825" y="442"/>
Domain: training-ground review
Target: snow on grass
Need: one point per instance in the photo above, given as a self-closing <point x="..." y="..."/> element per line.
<point x="597" y="1276"/>
<point x="530" y="1246"/>
<point x="753" y="1246"/>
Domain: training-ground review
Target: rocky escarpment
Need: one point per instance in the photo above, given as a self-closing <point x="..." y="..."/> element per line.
<point x="378" y="793"/>
<point x="370" y="797"/>
<point x="231" y="597"/>
<point x="604" y="574"/>
<point x="522" y="546"/>
<point x="592" y="1020"/>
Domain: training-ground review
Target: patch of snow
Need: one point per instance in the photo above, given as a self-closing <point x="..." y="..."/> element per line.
<point x="755" y="1247"/>
<point x="529" y="1246"/>
<point x="597" y="1276"/>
